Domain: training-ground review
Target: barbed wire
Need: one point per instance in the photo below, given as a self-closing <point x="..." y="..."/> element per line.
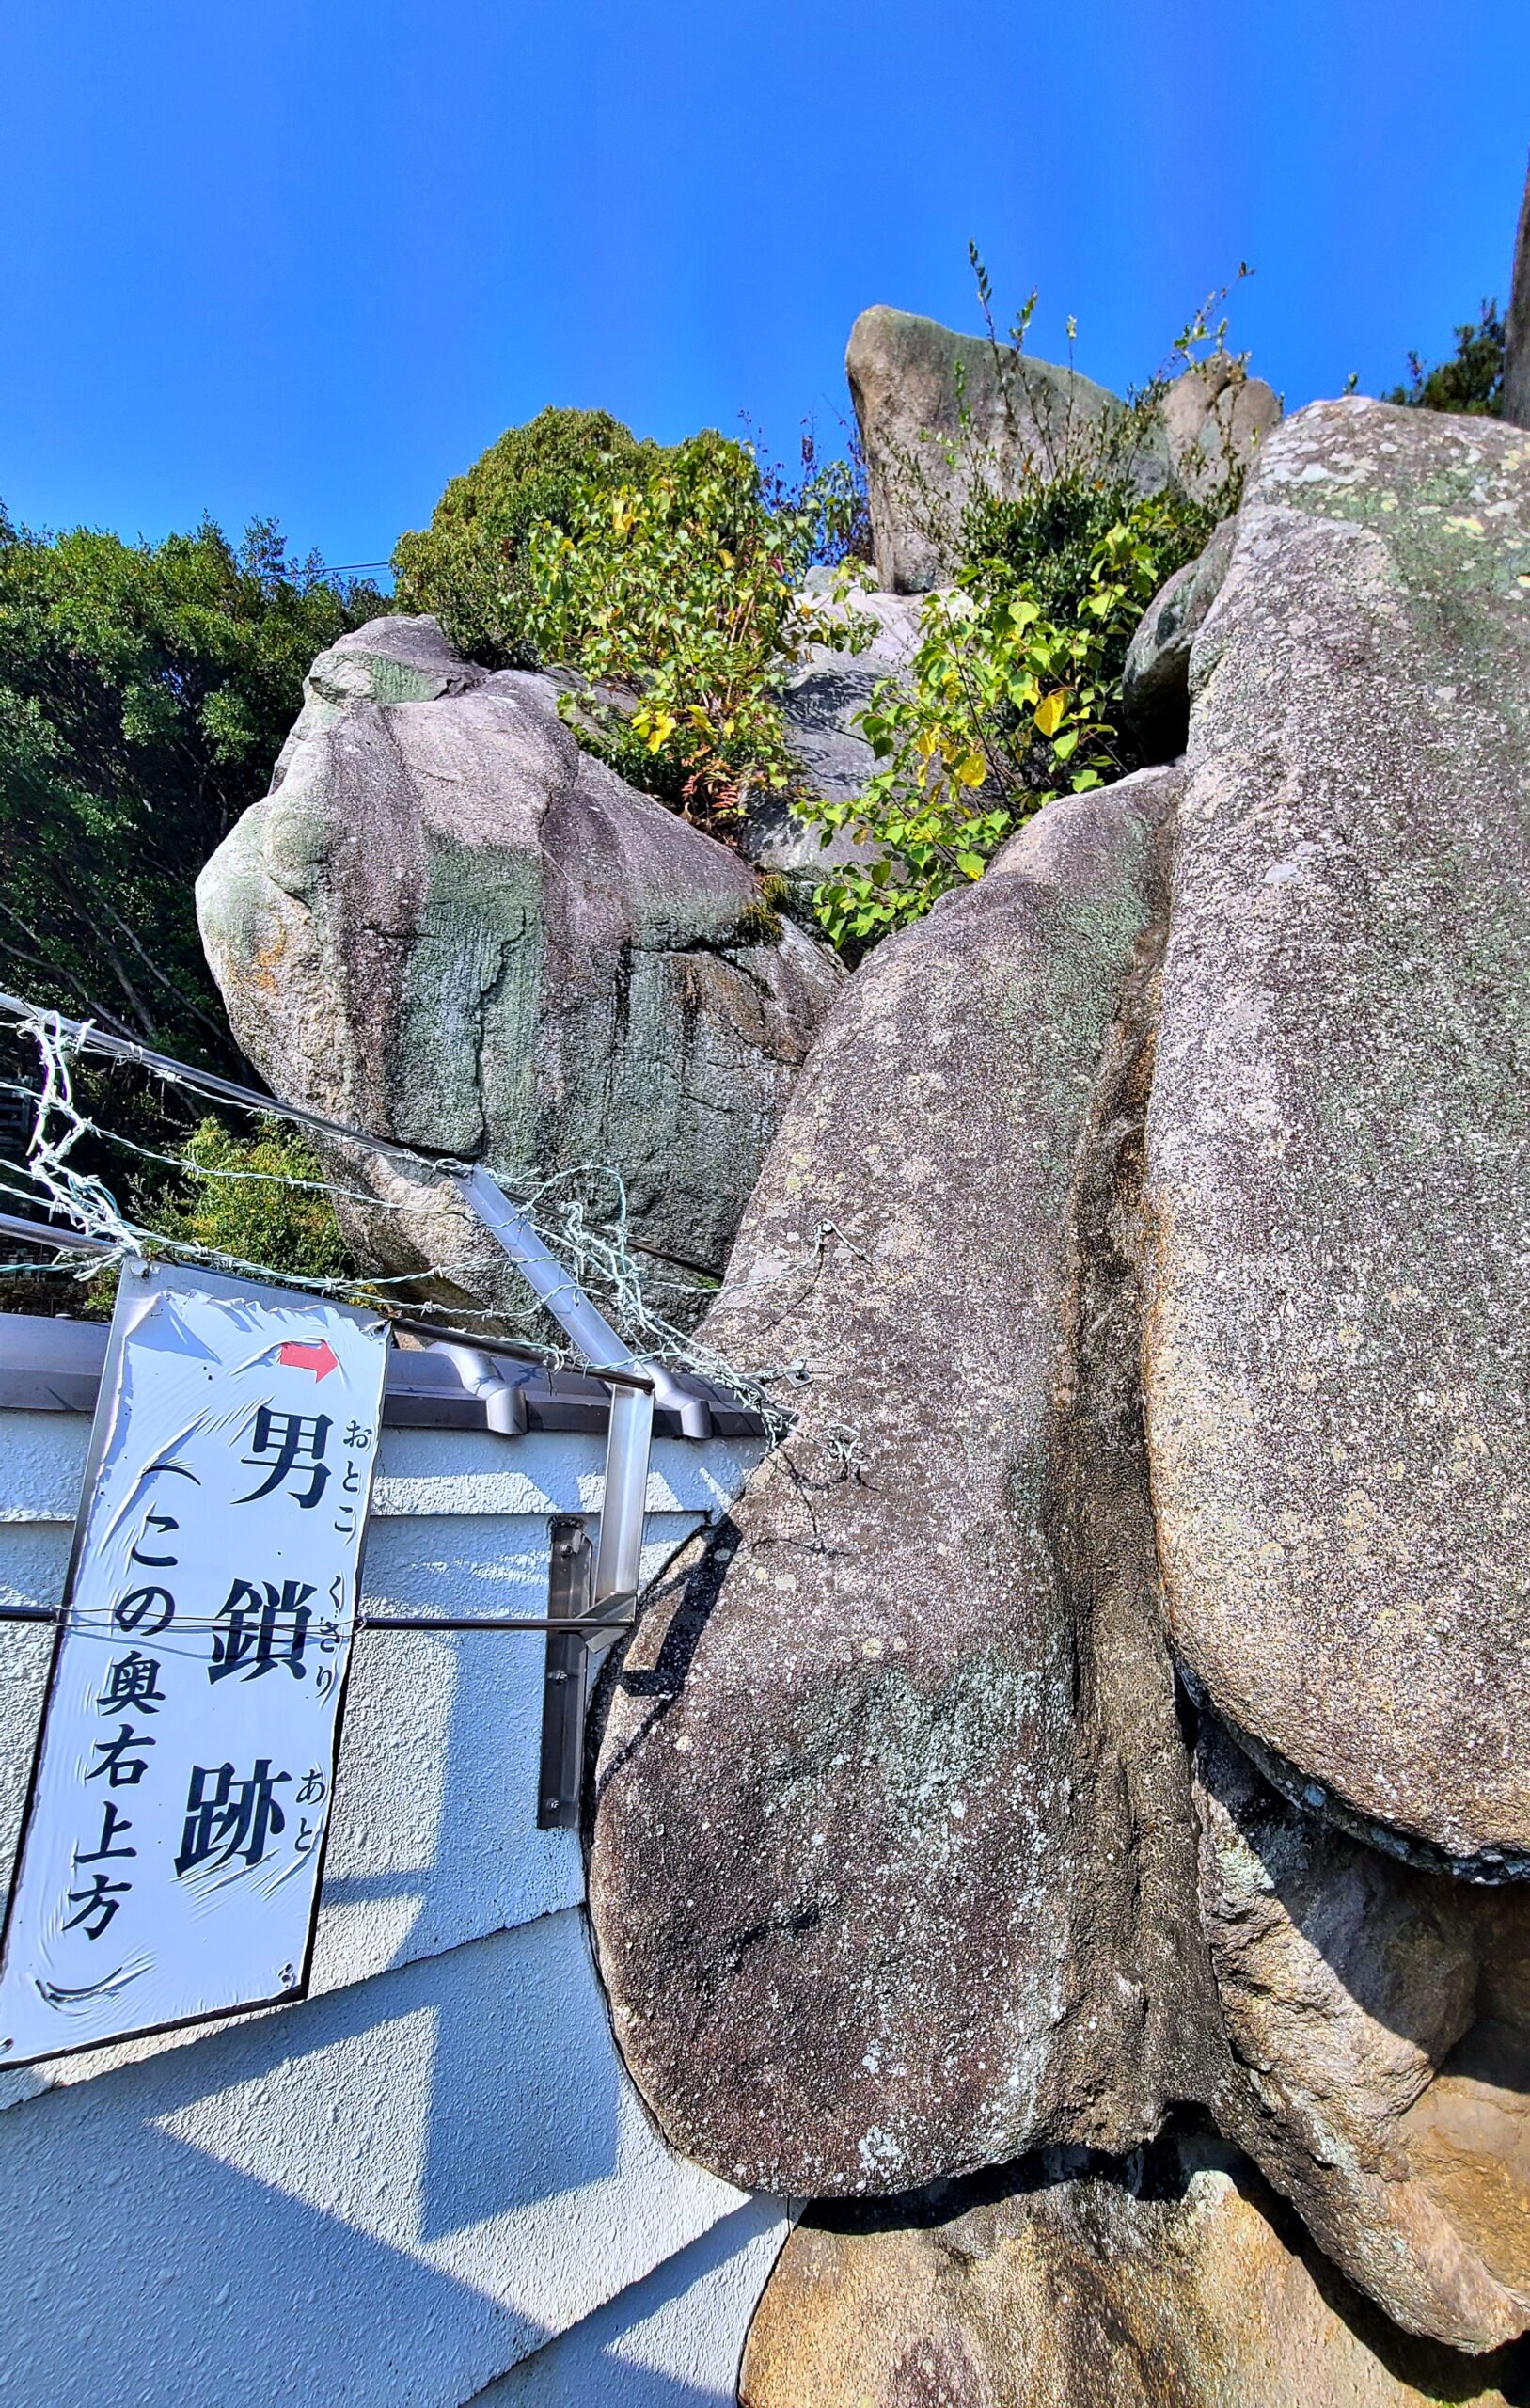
<point x="596" y="1249"/>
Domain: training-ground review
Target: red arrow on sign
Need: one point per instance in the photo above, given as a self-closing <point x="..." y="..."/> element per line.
<point x="321" y="1359"/>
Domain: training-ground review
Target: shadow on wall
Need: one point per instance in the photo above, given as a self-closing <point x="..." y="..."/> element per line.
<point x="664" y="2346"/>
<point x="347" y="2201"/>
<point x="130" y="2253"/>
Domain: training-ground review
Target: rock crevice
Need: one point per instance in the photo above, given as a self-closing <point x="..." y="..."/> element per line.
<point x="1149" y="1983"/>
<point x="1180" y="1326"/>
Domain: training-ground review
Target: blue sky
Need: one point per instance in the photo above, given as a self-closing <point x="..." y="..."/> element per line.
<point x="305" y="258"/>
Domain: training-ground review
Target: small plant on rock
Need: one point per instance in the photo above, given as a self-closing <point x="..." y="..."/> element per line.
<point x="1007" y="706"/>
<point x="1012" y="697"/>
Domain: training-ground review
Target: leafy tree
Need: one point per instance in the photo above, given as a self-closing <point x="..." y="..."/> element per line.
<point x="1472" y="382"/>
<point x="675" y="600"/>
<point x="469" y="566"/>
<point x="145" y="692"/>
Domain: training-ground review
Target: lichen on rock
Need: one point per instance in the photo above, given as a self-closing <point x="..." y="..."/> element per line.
<point x="1338" y="1355"/>
<point x="892" y="1862"/>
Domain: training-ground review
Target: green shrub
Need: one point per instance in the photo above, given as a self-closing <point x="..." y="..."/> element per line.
<point x="470" y="566"/>
<point x="1047" y="543"/>
<point x="1012" y="695"/>
<point x="672" y="598"/>
<point x="1008" y="703"/>
<point x="1472" y="382"/>
<point x="236" y="1200"/>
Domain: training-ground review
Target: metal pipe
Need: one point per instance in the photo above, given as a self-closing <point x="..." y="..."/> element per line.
<point x="550" y="1281"/>
<point x="585" y="1626"/>
<point x="625" y="1495"/>
<point x="619" y="1374"/>
<point x="12" y="1225"/>
<point x="630" y="1430"/>
<point x="557" y="1288"/>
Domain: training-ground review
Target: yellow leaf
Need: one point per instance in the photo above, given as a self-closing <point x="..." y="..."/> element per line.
<point x="971" y="769"/>
<point x="1049" y="715"/>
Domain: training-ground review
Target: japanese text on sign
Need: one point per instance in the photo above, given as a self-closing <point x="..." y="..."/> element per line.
<point x="170" y="1862"/>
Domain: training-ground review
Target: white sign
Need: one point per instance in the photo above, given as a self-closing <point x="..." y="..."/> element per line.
<point x="169" y="1867"/>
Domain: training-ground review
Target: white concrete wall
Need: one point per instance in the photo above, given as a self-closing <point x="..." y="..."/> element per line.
<point x="675" y="2341"/>
<point x="434" y="2170"/>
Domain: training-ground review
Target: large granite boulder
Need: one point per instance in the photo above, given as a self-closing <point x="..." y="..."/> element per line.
<point x="941" y="414"/>
<point x="449" y="925"/>
<point x="892" y="1860"/>
<point x="1174" y="2281"/>
<point x="1339" y="1350"/>
<point x="1380" y="2020"/>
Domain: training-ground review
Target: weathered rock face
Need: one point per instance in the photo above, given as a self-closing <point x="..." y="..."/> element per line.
<point x="911" y="381"/>
<point x="823" y="696"/>
<point x="940" y="413"/>
<point x="448" y="924"/>
<point x="891" y="1861"/>
<point x="1175" y="2281"/>
<point x="1380" y="2017"/>
<point x="1338" y="1352"/>
<point x="1215" y="418"/>
<point x="1155" y="677"/>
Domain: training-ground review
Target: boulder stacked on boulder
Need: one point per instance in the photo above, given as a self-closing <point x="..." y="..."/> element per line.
<point x="941" y="413"/>
<point x="1098" y="1727"/>
<point x="1150" y="1230"/>
<point x="449" y="925"/>
<point x="1174" y="2281"/>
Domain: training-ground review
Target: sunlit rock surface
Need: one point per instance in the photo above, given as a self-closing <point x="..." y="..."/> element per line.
<point x="1339" y="1350"/>
<point x="891" y="1871"/>
<point x="1380" y="2020"/>
<point x="1174" y="2280"/>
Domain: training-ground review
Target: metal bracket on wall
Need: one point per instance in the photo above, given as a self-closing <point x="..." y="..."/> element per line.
<point x="570" y="1591"/>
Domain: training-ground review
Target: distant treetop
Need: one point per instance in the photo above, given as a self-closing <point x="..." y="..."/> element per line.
<point x="468" y="566"/>
<point x="1471" y="383"/>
